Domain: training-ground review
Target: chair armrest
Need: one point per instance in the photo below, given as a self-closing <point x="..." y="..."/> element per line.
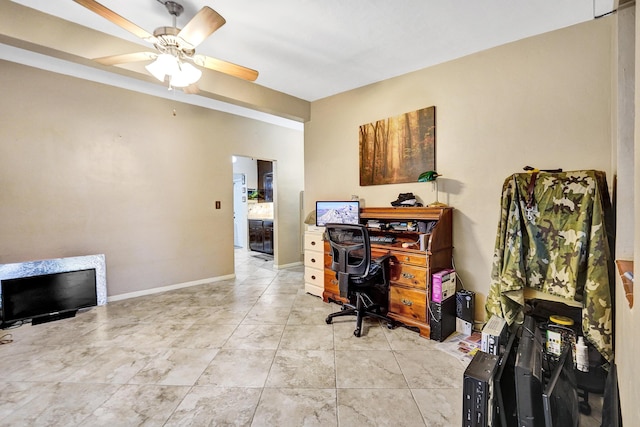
<point x="381" y="259"/>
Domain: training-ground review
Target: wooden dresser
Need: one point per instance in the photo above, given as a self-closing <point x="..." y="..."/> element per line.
<point x="427" y="235"/>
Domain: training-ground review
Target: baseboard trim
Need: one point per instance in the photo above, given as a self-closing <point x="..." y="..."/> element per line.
<point x="168" y="288"/>
<point x="283" y="266"/>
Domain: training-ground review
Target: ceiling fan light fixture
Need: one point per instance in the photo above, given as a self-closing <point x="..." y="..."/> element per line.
<point x="181" y="74"/>
<point x="164" y="65"/>
<point x="186" y="75"/>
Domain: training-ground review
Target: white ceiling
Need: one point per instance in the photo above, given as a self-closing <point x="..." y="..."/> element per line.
<point x="312" y="49"/>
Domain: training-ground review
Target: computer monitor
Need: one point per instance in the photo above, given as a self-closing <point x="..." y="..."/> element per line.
<point x="337" y="212"/>
<point x="560" y="397"/>
<point x="528" y="375"/>
<point x="505" y="386"/>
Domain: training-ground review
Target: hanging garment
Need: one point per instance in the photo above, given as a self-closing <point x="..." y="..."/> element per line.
<point x="552" y="237"/>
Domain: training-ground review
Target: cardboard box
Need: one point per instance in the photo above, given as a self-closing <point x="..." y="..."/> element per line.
<point x="464" y="327"/>
<point x="443" y="285"/>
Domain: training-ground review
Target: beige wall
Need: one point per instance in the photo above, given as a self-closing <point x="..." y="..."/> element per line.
<point x="87" y="168"/>
<point x="544" y="101"/>
<point x="627" y="319"/>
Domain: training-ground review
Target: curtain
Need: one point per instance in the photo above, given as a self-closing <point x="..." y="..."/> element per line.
<point x="553" y="236"/>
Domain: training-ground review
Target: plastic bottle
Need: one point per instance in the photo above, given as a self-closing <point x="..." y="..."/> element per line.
<point x="582" y="355"/>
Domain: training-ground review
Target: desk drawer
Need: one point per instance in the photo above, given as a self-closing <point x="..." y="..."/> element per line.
<point x="410" y="258"/>
<point x="409" y="275"/>
<point x="314" y="259"/>
<point x="408" y="303"/>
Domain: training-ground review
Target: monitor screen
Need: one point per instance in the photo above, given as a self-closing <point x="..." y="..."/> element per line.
<point x="337" y="212"/>
<point x="560" y="397"/>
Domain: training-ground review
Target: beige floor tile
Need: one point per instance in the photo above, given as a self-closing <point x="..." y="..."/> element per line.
<point x="238" y="368"/>
<point x="307" y="337"/>
<point x="296" y="407"/>
<point x="206" y="406"/>
<point x="440" y="407"/>
<point x="430" y="369"/>
<point x="60" y="404"/>
<point x="368" y="369"/>
<point x="302" y="369"/>
<point x="177" y="366"/>
<point x="139" y="405"/>
<point x="378" y="407"/>
<point x="258" y="337"/>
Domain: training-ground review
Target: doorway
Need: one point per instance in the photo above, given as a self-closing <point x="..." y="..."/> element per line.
<point x="239" y="210"/>
<point x="253" y="201"/>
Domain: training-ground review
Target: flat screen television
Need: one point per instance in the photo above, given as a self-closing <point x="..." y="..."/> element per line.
<point x="528" y="375"/>
<point x="47" y="297"/>
<point x="337" y="212"/>
<point x="560" y="397"/>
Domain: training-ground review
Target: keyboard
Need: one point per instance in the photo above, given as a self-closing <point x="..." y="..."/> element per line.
<point x="382" y="239"/>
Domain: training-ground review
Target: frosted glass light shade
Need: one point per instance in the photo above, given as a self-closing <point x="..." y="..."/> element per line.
<point x="186" y="75"/>
<point x="164" y="65"/>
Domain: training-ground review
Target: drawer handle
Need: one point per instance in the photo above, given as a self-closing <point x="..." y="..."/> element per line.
<point x="334" y="282"/>
<point x="313" y="243"/>
<point x="313" y="260"/>
<point x="407" y="258"/>
<point x="408" y="276"/>
<point x="313" y="277"/>
<point x="407" y="302"/>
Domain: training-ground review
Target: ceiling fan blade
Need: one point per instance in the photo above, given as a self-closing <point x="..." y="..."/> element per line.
<point x="106" y="13"/>
<point x="191" y="89"/>
<point x="201" y="26"/>
<point x="226" y="67"/>
<point x="127" y="57"/>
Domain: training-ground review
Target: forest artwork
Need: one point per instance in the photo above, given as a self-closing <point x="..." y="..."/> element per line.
<point x="398" y="149"/>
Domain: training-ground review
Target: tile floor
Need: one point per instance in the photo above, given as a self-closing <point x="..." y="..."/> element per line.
<point x="251" y="351"/>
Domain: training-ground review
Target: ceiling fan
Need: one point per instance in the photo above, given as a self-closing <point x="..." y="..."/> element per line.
<point x="175" y="47"/>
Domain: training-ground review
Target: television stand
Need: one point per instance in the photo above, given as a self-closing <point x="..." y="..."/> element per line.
<point x="53" y="316"/>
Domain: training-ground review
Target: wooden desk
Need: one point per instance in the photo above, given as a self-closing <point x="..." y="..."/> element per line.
<point x="411" y="268"/>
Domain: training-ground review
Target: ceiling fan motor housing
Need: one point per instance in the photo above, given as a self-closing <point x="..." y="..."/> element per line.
<point x="167" y="41"/>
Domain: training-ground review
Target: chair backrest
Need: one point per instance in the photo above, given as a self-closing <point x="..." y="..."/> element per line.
<point x="350" y="252"/>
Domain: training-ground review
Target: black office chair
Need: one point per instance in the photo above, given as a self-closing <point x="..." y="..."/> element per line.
<point x="363" y="281"/>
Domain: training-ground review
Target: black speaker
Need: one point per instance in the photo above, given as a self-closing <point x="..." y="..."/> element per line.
<point x="442" y="318"/>
<point x="464" y="305"/>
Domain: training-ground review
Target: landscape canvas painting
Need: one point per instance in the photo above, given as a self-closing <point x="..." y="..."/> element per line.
<point x="398" y="149"/>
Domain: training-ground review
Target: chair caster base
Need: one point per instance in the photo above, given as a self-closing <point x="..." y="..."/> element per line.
<point x="328" y="320"/>
<point x="391" y="325"/>
<point x="357" y="332"/>
<point x="584" y="408"/>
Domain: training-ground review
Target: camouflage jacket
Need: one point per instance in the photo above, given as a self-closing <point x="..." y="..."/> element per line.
<point x="556" y="243"/>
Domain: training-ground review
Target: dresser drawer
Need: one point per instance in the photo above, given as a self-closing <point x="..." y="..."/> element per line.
<point x="408" y="303"/>
<point x="314" y="259"/>
<point x="409" y="275"/>
<point x="410" y="258"/>
<point x="314" y="276"/>
<point x="313" y="241"/>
